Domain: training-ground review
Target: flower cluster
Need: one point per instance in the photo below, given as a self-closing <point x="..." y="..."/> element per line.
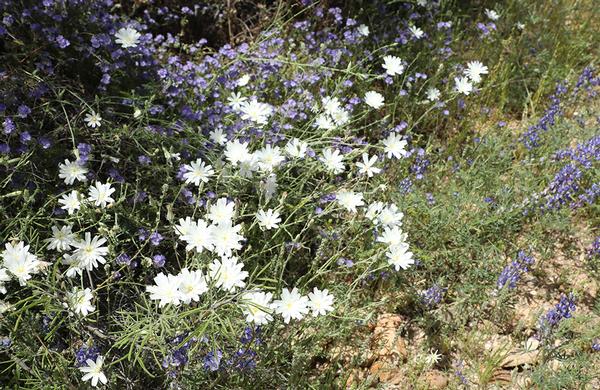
<point x="511" y="274"/>
<point x="562" y="310"/>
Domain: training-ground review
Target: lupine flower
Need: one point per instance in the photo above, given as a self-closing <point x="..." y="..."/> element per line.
<point x="563" y="309"/>
<point x="512" y="273"/>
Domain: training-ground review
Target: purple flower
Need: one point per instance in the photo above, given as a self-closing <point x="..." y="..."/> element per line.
<point x="431" y="297"/>
<point x="561" y="311"/>
<point x="158" y="260"/>
<point x="156" y="238"/>
<point x="212" y="360"/>
<point x="511" y="274"/>
<point x="23" y="111"/>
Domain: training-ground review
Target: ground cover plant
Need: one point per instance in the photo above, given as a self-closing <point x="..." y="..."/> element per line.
<point x="299" y="194"/>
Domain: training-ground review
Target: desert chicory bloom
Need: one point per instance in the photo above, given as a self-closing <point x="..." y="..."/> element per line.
<point x="399" y="256"/>
<point x="93" y="371"/>
<point x="291" y="305"/>
<point x="393" y="65"/>
<point x="474" y="71"/>
<point x="71" y="171"/>
<point x="197" y="171"/>
<point x="165" y="290"/>
<point x="433" y="94"/>
<point x="463" y="85"/>
<point x="321" y="302"/>
<point x="367" y="166"/>
<point x="100" y="193"/>
<point x="395" y="146"/>
<point x="269" y="219"/>
<point x="70" y="202"/>
<point x="256" y="306"/>
<point x="256" y="111"/>
<point x="89" y="252"/>
<point x="192" y="284"/>
<point x="227" y="274"/>
<point x="61" y="239"/>
<point x="93" y="120"/>
<point x="333" y="160"/>
<point x="296" y="148"/>
<point x="350" y="200"/>
<point x="80" y="301"/>
<point x="491" y="14"/>
<point x="127" y="37"/>
<point x="374" y="99"/>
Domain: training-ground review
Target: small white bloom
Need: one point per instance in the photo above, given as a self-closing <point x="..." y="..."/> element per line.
<point x="291" y="305"/>
<point x="93" y="370"/>
<point x="89" y="252"/>
<point x="256" y="111"/>
<point x="324" y="122"/>
<point x="395" y="146"/>
<point x="235" y="152"/>
<point x="268" y="219"/>
<point x="390" y="216"/>
<point x="491" y="14"/>
<point x="236" y="100"/>
<point x="19" y="262"/>
<point x="100" y="194"/>
<point x="198" y="236"/>
<point x="221" y="212"/>
<point x="399" y="256"/>
<point x="166" y="290"/>
<point x="349" y="200"/>
<point x="70" y="202"/>
<point x="218" y="136"/>
<point x="392" y="236"/>
<point x="296" y="148"/>
<point x="367" y="166"/>
<point x="269" y="157"/>
<point x="127" y="37"/>
<point x="433" y="94"/>
<point x="61" y="239"/>
<point x="321" y="302"/>
<point x="198" y="171"/>
<point x="520" y="26"/>
<point x="243" y="81"/>
<point x="4" y="277"/>
<point x="269" y="187"/>
<point x="393" y="65"/>
<point x="363" y="30"/>
<point x="226" y="238"/>
<point x="80" y="301"/>
<point x="227" y="274"/>
<point x="333" y="160"/>
<point x="373" y="211"/>
<point x="416" y="32"/>
<point x="71" y="171"/>
<point x="192" y="284"/>
<point x="474" y="71"/>
<point x="463" y="85"/>
<point x="256" y="306"/>
<point x="374" y="99"/>
<point x="93" y="120"/>
<point x="184" y="227"/>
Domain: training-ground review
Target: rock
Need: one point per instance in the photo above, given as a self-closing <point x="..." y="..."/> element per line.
<point x="520" y="359"/>
<point x="436" y="379"/>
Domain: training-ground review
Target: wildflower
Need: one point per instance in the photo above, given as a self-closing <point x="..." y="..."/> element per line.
<point x="227" y="273"/>
<point x="93" y="120"/>
<point x="218" y="136"/>
<point x="198" y="236"/>
<point x="363" y="30"/>
<point x="562" y="310"/>
<point x="367" y="166"/>
<point x="71" y="171"/>
<point x="127" y="37"/>
<point x="192" y="284"/>
<point x="432" y="296"/>
<point x="4" y="277"/>
<point x="225" y="238"/>
<point x="291" y="305"/>
<point x="61" y="239"/>
<point x="90" y="252"/>
<point x="512" y="273"/>
<point x="243" y="81"/>
<point x="393" y="65"/>
<point x="416" y="32"/>
<point x="296" y="148"/>
<point x="269" y="219"/>
<point x="93" y="370"/>
<point x="474" y="71"/>
<point x="269" y="187"/>
<point x="433" y="94"/>
<point x="236" y="101"/>
<point x="433" y="357"/>
<point x="235" y="152"/>
<point x="392" y="236"/>
<point x="321" y="302"/>
<point x="491" y="14"/>
<point x="198" y="171"/>
<point x="374" y="99"/>
<point x="395" y="146"/>
<point x="350" y="200"/>
<point x="269" y="157"/>
<point x="389" y="215"/>
<point x="256" y="112"/>
<point x="19" y="261"/>
<point x="333" y="160"/>
<point x="166" y="289"/>
<point x="257" y="307"/>
<point x="399" y="256"/>
<point x="212" y="360"/>
<point x="80" y="301"/>
<point x="100" y="194"/>
<point x="463" y="85"/>
<point x="221" y="212"/>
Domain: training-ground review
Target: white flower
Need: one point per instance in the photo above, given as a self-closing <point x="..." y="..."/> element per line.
<point x="269" y="187"/>
<point x="198" y="172"/>
<point x="363" y="30"/>
<point x="373" y="211"/>
<point x="71" y="171"/>
<point x="416" y="32"/>
<point x="256" y="112"/>
<point x="491" y="14"/>
<point x="268" y="219"/>
<point x="198" y="236"/>
<point x="235" y="152"/>
<point x="218" y="136"/>
<point x="165" y="289"/>
<point x="331" y="105"/>
<point x="184" y="227"/>
<point x="100" y="194"/>
<point x="349" y="200"/>
<point x="340" y="117"/>
<point x="236" y="100"/>
<point x="324" y="122"/>
<point x="399" y="256"/>
<point x="4" y="277"/>
<point x="247" y="167"/>
<point x="474" y="71"/>
<point x="243" y="81"/>
<point x="321" y="302"/>
<point x="93" y="120"/>
<point x="61" y="239"/>
<point x="19" y="261"/>
<point x="227" y="274"/>
<point x="433" y="357"/>
<point x="225" y="238"/>
<point x="393" y="65"/>
<point x="73" y="263"/>
<point x="374" y="99"/>
<point x="70" y="202"/>
<point x="221" y="212"/>
<point x="90" y="251"/>
<point x="93" y="371"/>
<point x="296" y="148"/>
<point x="395" y="146"/>
<point x="192" y="284"/>
<point x="291" y="305"/>
<point x="433" y="94"/>
<point x="127" y="37"/>
<point x="390" y="216"/>
<point x="269" y="157"/>
<point x="367" y="166"/>
<point x="463" y="85"/>
<point x="333" y="160"/>
<point x="80" y="301"/>
<point x="392" y="236"/>
<point x="520" y="26"/>
<point x="256" y="306"/>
